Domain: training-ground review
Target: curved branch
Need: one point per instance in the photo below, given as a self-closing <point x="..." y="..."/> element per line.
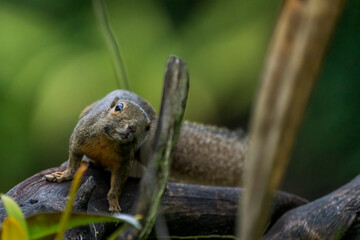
<point x="200" y="210"/>
<point x="329" y="217"/>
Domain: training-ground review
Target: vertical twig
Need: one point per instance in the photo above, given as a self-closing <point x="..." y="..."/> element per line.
<point x="154" y="182"/>
<point x="291" y="68"/>
<point x="102" y="18"/>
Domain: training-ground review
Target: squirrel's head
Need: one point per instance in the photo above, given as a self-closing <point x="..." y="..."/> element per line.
<point x="127" y="122"/>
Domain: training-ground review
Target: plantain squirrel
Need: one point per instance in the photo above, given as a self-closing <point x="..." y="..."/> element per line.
<point x="110" y="132"/>
<point x="114" y="130"/>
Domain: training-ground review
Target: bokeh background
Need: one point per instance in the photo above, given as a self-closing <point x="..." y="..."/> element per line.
<point x="53" y="62"/>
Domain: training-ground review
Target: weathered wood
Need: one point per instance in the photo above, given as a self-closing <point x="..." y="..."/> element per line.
<point x="195" y="209"/>
<point x="325" y="218"/>
<point x="188" y="209"/>
<point x="155" y="179"/>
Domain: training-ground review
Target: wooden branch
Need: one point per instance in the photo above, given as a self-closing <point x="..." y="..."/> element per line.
<point x="188" y="209"/>
<point x="192" y="210"/>
<point x="153" y="184"/>
<point x="329" y="217"/>
<point x="291" y="68"/>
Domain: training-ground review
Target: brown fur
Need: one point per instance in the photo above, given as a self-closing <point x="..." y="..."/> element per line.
<point x="209" y="155"/>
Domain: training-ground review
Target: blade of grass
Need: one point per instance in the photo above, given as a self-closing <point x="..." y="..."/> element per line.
<point x="123" y="227"/>
<point x="103" y="20"/>
<point x="66" y="214"/>
<point x="13" y="210"/>
<point x="118" y="231"/>
<point x="45" y="224"/>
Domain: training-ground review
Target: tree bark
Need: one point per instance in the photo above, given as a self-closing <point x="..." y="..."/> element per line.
<point x="189" y="210"/>
<point x="334" y="216"/>
<point x="193" y="210"/>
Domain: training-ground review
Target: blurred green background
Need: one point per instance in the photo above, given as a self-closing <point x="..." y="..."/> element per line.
<point x="54" y="63"/>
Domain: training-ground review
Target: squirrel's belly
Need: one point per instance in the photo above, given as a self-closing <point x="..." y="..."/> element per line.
<point x="103" y="154"/>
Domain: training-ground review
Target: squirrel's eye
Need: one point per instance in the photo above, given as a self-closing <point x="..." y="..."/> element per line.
<point x="147" y="128"/>
<point x="119" y="107"/>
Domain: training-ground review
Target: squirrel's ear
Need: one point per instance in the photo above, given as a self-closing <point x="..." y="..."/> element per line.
<point x="116" y="99"/>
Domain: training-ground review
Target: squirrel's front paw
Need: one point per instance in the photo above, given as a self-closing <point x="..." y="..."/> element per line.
<point x="115" y="209"/>
<point x="59" y="176"/>
<point x="114" y="206"/>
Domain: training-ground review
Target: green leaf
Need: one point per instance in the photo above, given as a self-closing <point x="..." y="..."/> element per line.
<point x="44" y="224"/>
<point x="12" y="229"/>
<point x="13" y="210"/>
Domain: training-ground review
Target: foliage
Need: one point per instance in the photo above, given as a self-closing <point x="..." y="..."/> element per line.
<point x="54" y="63"/>
<point x="14" y="226"/>
<point x="63" y="65"/>
<point x="40" y="225"/>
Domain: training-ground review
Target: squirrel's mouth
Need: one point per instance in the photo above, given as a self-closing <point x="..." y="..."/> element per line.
<point x="126" y="136"/>
<point x="123" y="135"/>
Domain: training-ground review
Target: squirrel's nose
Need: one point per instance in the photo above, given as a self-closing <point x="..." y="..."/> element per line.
<point x="132" y="128"/>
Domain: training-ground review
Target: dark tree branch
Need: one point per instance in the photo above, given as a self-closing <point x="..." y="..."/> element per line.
<point x="195" y="209"/>
<point x="329" y="217"/>
<point x="200" y="210"/>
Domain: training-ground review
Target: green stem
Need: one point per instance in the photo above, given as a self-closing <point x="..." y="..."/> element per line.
<point x="102" y="17"/>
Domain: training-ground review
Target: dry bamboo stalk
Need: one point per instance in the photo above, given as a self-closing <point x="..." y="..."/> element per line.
<point x="292" y="65"/>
